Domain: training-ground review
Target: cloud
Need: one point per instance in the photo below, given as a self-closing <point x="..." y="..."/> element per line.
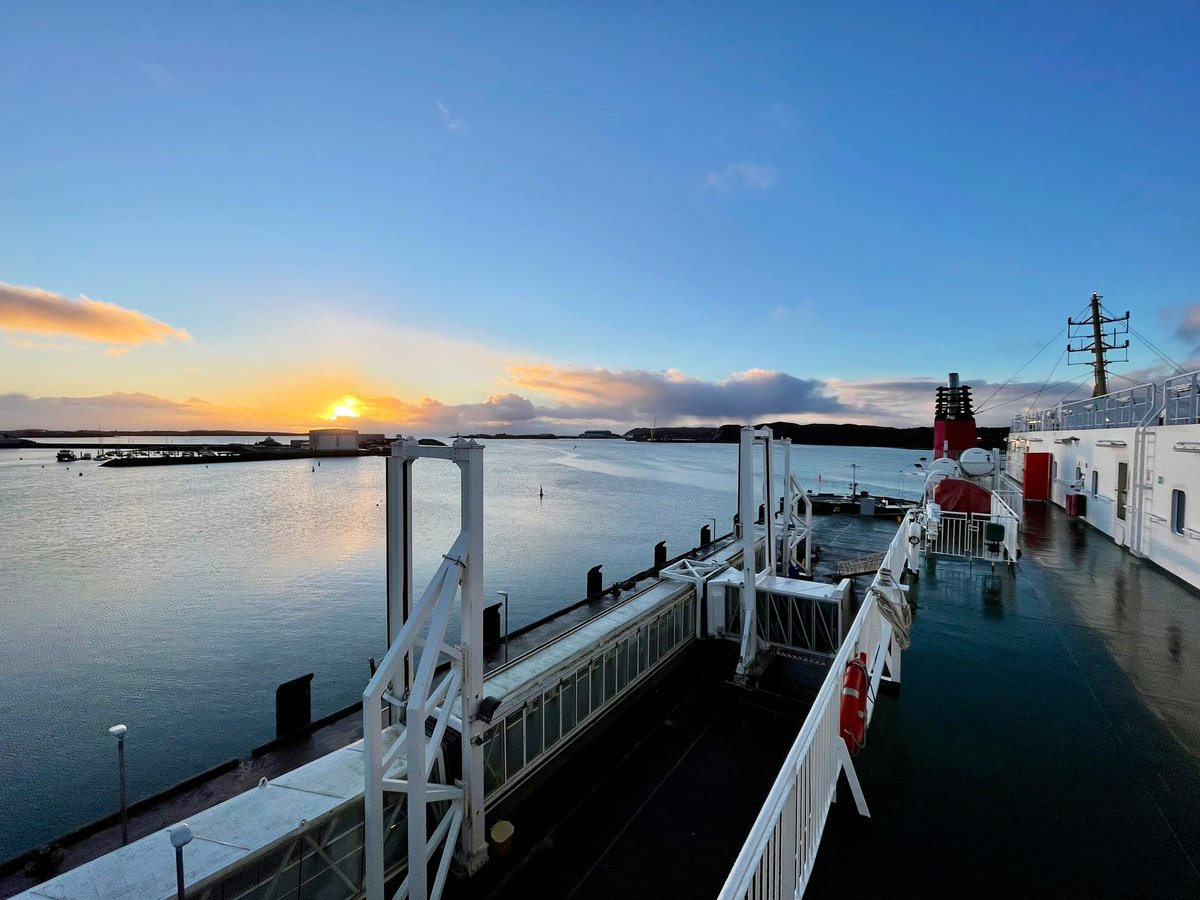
<point x="782" y="115"/>
<point x="1188" y="326"/>
<point x="745" y="175"/>
<point x="157" y="73"/>
<point x="452" y="122"/>
<point x="636" y="396"/>
<point x="34" y="311"/>
<point x="134" y="411"/>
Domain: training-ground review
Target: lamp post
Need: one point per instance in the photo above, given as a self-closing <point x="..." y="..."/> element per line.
<point x="181" y="836"/>
<point x="118" y="731"/>
<point x="504" y="594"/>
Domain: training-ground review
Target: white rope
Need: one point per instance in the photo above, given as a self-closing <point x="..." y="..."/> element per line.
<point x="897" y="612"/>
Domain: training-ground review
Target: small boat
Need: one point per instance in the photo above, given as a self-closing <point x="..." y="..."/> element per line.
<point x="66" y="456"/>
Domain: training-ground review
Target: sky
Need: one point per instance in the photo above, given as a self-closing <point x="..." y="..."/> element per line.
<point x="521" y="217"/>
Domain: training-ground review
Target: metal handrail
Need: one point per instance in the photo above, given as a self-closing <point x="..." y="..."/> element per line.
<point x="1126" y="408"/>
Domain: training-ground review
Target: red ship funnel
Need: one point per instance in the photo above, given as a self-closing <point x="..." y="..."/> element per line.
<point x="953" y="420"/>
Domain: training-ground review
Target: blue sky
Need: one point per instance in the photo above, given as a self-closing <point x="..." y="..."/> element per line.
<point x="712" y="211"/>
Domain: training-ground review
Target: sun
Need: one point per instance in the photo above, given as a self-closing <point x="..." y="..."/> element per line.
<point x="344" y="409"/>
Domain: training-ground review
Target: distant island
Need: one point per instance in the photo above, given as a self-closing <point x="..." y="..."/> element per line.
<point x="821" y="434"/>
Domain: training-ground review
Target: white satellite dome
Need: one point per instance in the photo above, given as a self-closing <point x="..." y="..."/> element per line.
<point x="976" y="462"/>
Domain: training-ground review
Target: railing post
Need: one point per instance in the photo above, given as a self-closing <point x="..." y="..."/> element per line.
<point x="469" y="456"/>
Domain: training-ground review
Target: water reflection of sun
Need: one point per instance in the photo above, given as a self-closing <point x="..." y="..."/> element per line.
<point x="344" y="408"/>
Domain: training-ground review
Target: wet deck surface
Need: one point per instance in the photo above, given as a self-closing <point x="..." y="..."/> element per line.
<point x="1045" y="740"/>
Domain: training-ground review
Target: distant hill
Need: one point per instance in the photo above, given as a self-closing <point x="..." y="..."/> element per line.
<point x="693" y="435"/>
<point x="826" y="434"/>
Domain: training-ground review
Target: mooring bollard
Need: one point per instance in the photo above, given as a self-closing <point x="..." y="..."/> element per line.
<point x="594" y="582"/>
<point x="118" y="731"/>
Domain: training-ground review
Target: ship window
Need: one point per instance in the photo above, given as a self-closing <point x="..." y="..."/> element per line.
<point x="493" y="758"/>
<point x="597" y="685"/>
<point x="1122" y="488"/>
<point x="568" y="706"/>
<point x="582" y="696"/>
<point x="533" y="729"/>
<point x="622" y="665"/>
<point x="551" y="706"/>
<point x="514" y="758"/>
<point x="1178" y="503"/>
<point x="610" y="674"/>
<point x="1095" y="484"/>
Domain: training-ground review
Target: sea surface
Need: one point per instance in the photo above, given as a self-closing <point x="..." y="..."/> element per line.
<point x="175" y="599"/>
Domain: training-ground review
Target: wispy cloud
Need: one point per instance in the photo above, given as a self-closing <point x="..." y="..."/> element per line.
<point x="452" y="122"/>
<point x="742" y="175"/>
<point x="1187" y="327"/>
<point x="782" y="115"/>
<point x="157" y="73"/>
<point x="32" y="310"/>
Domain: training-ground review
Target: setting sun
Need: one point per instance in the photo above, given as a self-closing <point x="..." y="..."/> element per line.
<point x="344" y="409"/>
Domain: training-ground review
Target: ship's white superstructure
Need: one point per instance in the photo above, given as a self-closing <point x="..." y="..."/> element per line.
<point x="1134" y="457"/>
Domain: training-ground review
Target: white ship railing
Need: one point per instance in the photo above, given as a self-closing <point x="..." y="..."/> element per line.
<point x="1181" y="395"/>
<point x="1126" y="408"/>
<point x="778" y="856"/>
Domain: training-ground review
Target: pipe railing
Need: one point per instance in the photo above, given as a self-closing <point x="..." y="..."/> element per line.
<point x="1126" y="408"/>
<point x="778" y="856"/>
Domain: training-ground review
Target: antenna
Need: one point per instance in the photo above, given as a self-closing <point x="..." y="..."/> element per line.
<point x="1101" y="342"/>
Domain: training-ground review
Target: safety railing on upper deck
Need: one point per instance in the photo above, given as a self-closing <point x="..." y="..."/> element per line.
<point x="1127" y="408"/>
<point x="964" y="535"/>
<point x="777" y="858"/>
<point x="1181" y="395"/>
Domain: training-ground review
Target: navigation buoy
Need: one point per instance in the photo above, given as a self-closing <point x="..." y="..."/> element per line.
<point x="541" y="493"/>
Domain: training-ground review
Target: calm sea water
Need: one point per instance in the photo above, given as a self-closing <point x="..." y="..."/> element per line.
<point x="176" y="599"/>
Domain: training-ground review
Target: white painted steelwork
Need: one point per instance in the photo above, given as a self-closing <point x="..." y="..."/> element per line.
<point x="778" y="856"/>
<point x="408" y="679"/>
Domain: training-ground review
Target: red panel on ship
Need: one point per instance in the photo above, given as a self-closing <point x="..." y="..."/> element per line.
<point x="1037" y="476"/>
<point x="959" y="434"/>
<point x="957" y="495"/>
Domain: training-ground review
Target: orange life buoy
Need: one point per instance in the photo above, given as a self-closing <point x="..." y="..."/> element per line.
<point x="854" y="704"/>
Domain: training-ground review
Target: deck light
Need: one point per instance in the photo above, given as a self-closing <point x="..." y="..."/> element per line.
<point x="181" y="836"/>
<point x="487" y="709"/>
<point x="504" y="594"/>
<point x="118" y="731"/>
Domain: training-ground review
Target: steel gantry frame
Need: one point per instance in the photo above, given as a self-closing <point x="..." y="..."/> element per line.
<point x="749" y="658"/>
<point x="419" y="696"/>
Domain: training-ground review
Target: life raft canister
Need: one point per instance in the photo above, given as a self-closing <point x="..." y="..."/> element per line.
<point x="854" y="704"/>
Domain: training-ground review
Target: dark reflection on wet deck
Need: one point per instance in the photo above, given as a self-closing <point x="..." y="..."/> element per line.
<point x="1047" y="738"/>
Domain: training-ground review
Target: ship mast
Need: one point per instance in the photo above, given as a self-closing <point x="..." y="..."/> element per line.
<point x="1100" y="342"/>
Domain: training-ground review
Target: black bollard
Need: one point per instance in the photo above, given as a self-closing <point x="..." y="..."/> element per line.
<point x="293" y="705"/>
<point x="594" y="582"/>
<point x="660" y="555"/>
<point x="762" y="513"/>
<point x="705" y="536"/>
